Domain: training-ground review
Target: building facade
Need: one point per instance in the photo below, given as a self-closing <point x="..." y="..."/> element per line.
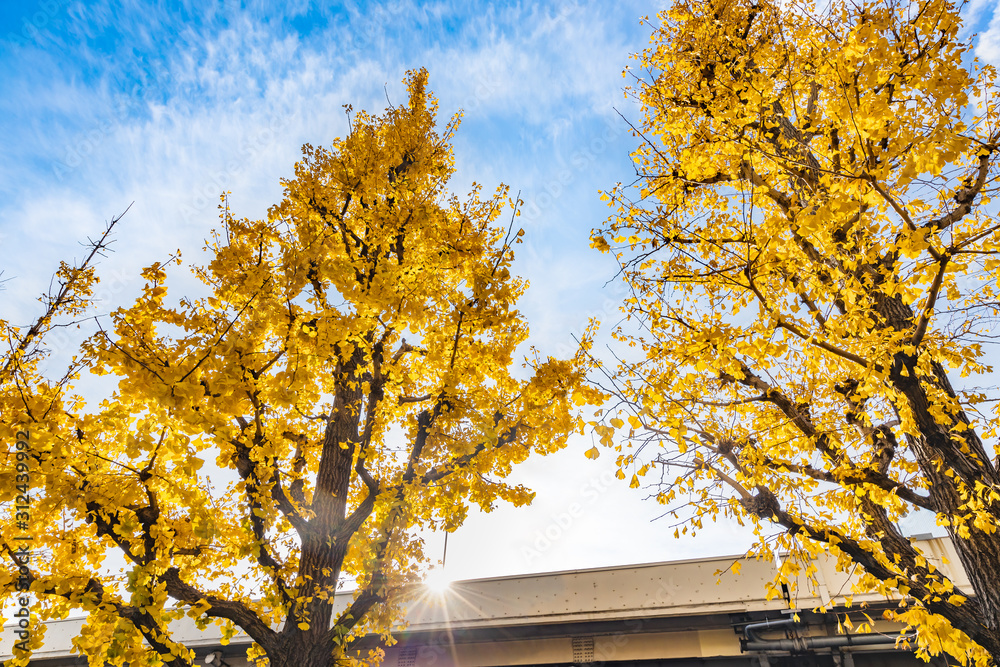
<point x="673" y="614"/>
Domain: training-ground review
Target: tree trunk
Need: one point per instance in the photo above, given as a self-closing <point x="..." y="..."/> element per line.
<point x="948" y="455"/>
<point x="292" y="651"/>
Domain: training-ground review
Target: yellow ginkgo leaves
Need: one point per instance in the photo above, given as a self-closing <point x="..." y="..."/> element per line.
<point x="810" y="254"/>
<point x="345" y="380"/>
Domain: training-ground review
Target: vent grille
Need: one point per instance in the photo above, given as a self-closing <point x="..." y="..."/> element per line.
<point x="583" y="650"/>
<point x="407" y="657"/>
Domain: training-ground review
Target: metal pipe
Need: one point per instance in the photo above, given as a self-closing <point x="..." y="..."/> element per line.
<point x="749" y="630"/>
<point x="755" y="643"/>
<point x="807" y="643"/>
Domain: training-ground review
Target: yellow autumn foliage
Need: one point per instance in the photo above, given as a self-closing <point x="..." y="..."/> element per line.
<point x="348" y="377"/>
<point x="812" y="253"/>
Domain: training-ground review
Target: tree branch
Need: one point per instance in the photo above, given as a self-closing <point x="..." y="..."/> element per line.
<point x="925" y="316"/>
<point x="234" y="611"/>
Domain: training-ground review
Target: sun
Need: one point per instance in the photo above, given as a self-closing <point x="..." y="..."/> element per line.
<point x="437" y="581"/>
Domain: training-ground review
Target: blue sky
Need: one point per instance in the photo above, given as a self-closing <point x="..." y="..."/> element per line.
<point x="167" y="104"/>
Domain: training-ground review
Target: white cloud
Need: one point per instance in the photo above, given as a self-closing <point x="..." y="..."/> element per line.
<point x="973" y="12"/>
<point x="988" y="44"/>
<point x="228" y="109"/>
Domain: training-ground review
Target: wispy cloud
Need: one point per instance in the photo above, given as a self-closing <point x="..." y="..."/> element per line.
<point x="113" y="102"/>
<point x="988" y="43"/>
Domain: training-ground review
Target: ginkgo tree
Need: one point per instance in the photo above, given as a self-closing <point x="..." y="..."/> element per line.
<point x="347" y="378"/>
<point x="813" y="262"/>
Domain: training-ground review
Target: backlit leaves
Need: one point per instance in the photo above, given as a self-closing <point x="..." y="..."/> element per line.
<point x="345" y="378"/>
<point x="811" y="252"/>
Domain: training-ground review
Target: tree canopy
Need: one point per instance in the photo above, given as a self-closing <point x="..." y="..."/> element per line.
<point x="347" y="377"/>
<point x="813" y="262"/>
